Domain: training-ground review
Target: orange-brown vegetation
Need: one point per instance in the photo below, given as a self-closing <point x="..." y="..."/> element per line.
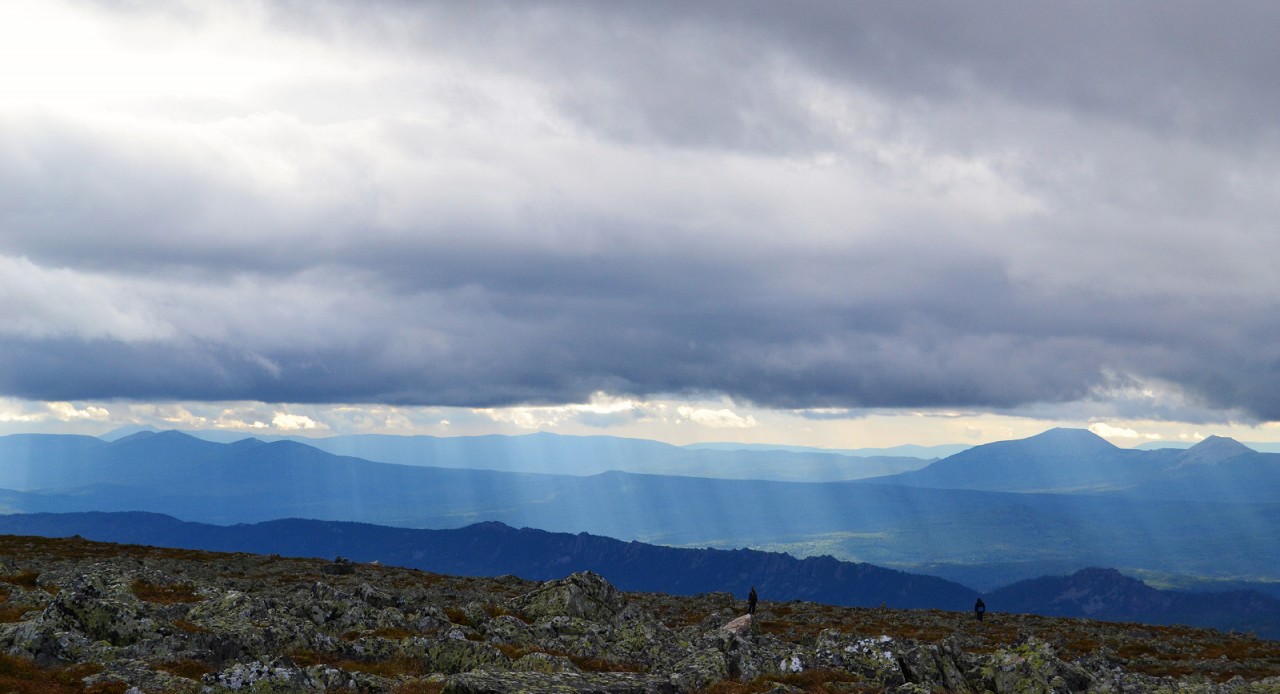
<point x="811" y="681"/>
<point x="164" y="594"/>
<point x="191" y="669"/>
<point x="26" y="579"/>
<point x="21" y="676"/>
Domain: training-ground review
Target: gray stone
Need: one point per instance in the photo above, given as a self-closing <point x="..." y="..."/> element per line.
<point x="741" y="626"/>
<point x="583" y="595"/>
<point x="544" y="662"/>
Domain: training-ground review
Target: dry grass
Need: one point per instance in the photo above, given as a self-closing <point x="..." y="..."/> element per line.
<point x="190" y="669"/>
<point x="419" y="687"/>
<point x="791" y="630"/>
<point x="417" y="577"/>
<point x="26" y="579"/>
<point x="189" y="627"/>
<point x="495" y="611"/>
<point x="21" y="676"/>
<point x="390" y="668"/>
<point x="390" y="633"/>
<point x="164" y="594"/>
<point x="458" y="616"/>
<point x="813" y="681"/>
<point x="14" y="613"/>
<point x="307" y="658"/>
<point x="79" y="548"/>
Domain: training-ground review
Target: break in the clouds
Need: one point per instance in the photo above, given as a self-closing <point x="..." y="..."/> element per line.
<point x="813" y="206"/>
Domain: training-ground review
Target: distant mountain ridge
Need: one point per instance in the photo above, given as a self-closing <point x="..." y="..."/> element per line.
<point x="1109" y="595"/>
<point x="1077" y="461"/>
<point x="907" y="450"/>
<point x="1259" y="446"/>
<point x="556" y="454"/>
<point x="1057" y="461"/>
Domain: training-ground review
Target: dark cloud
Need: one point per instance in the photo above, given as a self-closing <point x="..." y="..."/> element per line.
<point x="820" y="206"/>
<point x="717" y="74"/>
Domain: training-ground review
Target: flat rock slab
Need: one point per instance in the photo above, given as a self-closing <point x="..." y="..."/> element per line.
<point x="740" y="626"/>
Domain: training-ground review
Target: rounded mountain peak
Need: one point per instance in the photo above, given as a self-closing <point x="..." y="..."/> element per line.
<point x="1076" y="438"/>
<point x="1214" y="449"/>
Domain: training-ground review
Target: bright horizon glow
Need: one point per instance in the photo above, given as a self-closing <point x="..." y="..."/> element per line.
<point x="678" y="422"/>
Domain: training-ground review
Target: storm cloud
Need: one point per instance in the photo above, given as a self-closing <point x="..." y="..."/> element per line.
<point x="814" y="205"/>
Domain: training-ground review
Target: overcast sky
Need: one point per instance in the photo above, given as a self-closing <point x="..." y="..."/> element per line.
<point x="833" y="223"/>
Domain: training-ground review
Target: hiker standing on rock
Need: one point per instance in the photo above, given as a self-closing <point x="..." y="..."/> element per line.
<point x="751" y="601"/>
<point x="979" y="608"/>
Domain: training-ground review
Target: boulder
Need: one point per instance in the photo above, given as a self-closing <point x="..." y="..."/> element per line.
<point x="932" y="665"/>
<point x="740" y="626"/>
<point x="103" y="608"/>
<point x="545" y="663"/>
<point x="1032" y="667"/>
<point x="280" y="675"/>
<point x="583" y="595"/>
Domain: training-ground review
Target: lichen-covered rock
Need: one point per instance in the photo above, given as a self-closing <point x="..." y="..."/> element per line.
<point x="874" y="658"/>
<point x="259" y="627"/>
<point x="932" y="664"/>
<point x="1032" y="667"/>
<point x="143" y="677"/>
<point x="583" y="595"/>
<point x="700" y="669"/>
<point x="102" y="607"/>
<point x="426" y="618"/>
<point x="44" y="644"/>
<point x="572" y="635"/>
<point x="508" y="629"/>
<point x="544" y="662"/>
<point x="643" y="642"/>
<point x="278" y="675"/>
<point x="451" y="656"/>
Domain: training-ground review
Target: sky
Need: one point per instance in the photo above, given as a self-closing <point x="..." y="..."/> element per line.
<point x="819" y="223"/>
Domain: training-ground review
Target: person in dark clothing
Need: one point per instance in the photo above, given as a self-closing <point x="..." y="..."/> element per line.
<point x="751" y="601"/>
<point x="979" y="608"/>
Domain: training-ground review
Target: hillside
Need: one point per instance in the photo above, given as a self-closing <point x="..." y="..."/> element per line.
<point x="84" y="616"/>
<point x="1108" y="594"/>
<point x="493" y="549"/>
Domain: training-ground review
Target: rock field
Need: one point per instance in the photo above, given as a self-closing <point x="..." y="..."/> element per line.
<point x="85" y="616"/>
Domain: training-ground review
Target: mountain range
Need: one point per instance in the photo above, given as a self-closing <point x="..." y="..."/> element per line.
<point x="553" y="454"/>
<point x="985" y="538"/>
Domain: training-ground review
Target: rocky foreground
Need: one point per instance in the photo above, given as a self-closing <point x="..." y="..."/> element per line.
<point x="84" y="616"/>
